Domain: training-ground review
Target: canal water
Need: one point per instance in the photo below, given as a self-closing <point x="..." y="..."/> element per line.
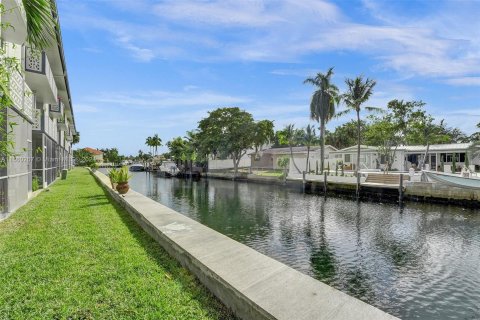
<point x="421" y="261"/>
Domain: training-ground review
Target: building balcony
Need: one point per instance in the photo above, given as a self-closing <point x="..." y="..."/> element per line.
<point x="56" y="111"/>
<point x="69" y="136"/>
<point x="39" y="76"/>
<point x="62" y="124"/>
<point x="22" y="97"/>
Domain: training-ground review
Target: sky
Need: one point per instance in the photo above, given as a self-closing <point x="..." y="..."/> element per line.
<point x="138" y="68"/>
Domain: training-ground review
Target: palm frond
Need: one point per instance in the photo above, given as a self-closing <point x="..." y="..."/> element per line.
<point x="41" y="23"/>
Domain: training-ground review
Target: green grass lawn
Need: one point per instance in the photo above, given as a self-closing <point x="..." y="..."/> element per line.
<point x="71" y="253"/>
<point x="269" y="173"/>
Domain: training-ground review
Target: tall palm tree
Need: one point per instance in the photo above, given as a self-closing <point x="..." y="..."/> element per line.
<point x="322" y="105"/>
<point x="149" y="142"/>
<point x="358" y="92"/>
<point x="308" y="140"/>
<point x="291" y="137"/>
<point x="156" y="142"/>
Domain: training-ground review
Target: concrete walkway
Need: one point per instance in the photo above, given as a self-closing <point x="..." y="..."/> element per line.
<point x="253" y="285"/>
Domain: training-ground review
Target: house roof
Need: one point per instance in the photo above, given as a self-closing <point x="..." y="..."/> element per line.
<point x="354" y="148"/>
<point x="95" y="152"/>
<point x="286" y="150"/>
<point x="437" y="147"/>
<point x="418" y="148"/>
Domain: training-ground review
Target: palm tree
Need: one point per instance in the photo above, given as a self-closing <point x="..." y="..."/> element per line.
<point x="322" y="105"/>
<point x="41" y="24"/>
<point x="291" y="137"/>
<point x="308" y="140"/>
<point x="156" y="142"/>
<point x="358" y="92"/>
<point x="149" y="142"/>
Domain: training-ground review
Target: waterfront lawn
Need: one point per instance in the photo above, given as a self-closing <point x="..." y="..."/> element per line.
<point x="73" y="253"/>
<point x="270" y="173"/>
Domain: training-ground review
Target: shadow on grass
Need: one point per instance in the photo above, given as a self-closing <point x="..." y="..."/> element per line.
<point x="156" y="252"/>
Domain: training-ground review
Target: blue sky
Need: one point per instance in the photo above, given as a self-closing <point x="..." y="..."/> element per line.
<point x="142" y="67"/>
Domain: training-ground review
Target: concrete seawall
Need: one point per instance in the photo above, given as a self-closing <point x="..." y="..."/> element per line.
<point x="253" y="285"/>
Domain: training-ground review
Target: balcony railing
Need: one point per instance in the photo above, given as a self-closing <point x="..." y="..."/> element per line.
<point x="36" y="62"/>
<point x="21" y="95"/>
<point x="62" y="124"/>
<point x="56" y="110"/>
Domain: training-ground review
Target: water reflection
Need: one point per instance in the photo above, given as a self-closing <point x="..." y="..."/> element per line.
<point x="415" y="261"/>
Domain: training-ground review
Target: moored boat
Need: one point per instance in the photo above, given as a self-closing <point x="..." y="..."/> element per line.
<point x="136" y="167"/>
<point x="453" y="180"/>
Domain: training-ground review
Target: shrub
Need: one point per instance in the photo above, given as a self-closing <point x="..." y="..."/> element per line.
<point x="35" y="184"/>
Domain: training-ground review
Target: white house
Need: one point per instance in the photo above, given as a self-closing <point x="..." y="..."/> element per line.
<point x="406" y="157"/>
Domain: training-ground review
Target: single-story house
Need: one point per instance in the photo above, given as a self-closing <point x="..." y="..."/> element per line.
<point x="406" y="157"/>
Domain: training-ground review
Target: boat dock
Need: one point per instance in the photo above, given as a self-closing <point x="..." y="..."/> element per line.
<point x="386" y="188"/>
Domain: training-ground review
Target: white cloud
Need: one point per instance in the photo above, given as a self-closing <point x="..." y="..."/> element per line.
<point x="168" y="99"/>
<point x="85" y="108"/>
<point x="464" y="81"/>
<point x="444" y="43"/>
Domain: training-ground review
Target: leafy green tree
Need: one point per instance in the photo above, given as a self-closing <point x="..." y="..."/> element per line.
<point x="358" y="92"/>
<point x="83" y="158"/>
<point x="228" y="130"/>
<point x="263" y="134"/>
<point x="322" y="105"/>
<point x="475" y="137"/>
<point x="111" y="155"/>
<point x="345" y="135"/>
<point x="177" y="147"/>
<point x="382" y="133"/>
<point x="425" y="132"/>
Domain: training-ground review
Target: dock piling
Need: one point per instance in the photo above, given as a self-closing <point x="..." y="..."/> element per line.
<point x="325" y="182"/>
<point x="304" y="181"/>
<point x="400" y="189"/>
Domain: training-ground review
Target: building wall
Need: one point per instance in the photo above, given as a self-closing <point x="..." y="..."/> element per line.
<point x="19" y="167"/>
<point x="228" y="163"/>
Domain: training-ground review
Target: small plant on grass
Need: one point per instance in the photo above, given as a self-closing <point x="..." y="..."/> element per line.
<point x="93" y="166"/>
<point x="35" y="184"/>
<point x="342" y="169"/>
<point x="336" y="169"/>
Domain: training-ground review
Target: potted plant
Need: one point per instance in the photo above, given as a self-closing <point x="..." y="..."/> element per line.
<point x="113" y="175"/>
<point x="122" y="180"/>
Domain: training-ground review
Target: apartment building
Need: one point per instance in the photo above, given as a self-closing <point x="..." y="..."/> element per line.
<point x="41" y="113"/>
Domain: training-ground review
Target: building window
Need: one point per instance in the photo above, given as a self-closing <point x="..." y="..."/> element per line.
<point x="347" y="157"/>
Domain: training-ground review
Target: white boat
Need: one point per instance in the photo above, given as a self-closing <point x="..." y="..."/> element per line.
<point x="453" y="180"/>
<point x="168" y="168"/>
